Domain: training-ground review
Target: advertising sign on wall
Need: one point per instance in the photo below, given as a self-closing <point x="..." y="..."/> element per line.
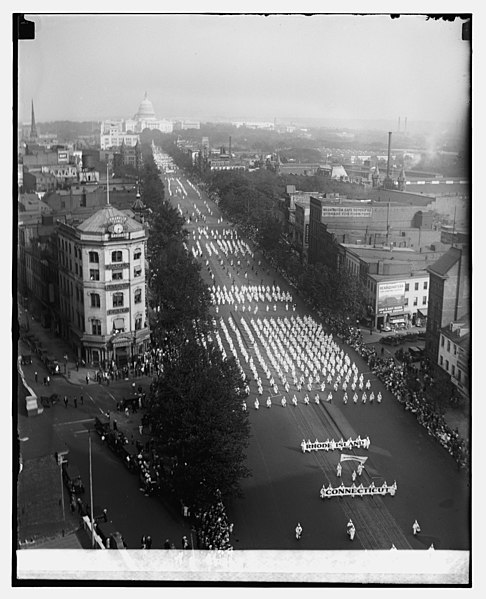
<point x="346" y="212"/>
<point x="391" y="297"/>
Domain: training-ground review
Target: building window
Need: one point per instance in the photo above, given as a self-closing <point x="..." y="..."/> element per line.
<point x="447" y="365"/>
<point x="416" y="286"/>
<point x="116" y="256"/>
<point x="137" y="271"/>
<point x="94" y="274"/>
<point x="406" y="301"/>
<point x="119" y="324"/>
<point x="448" y="345"/>
<point x="424" y="300"/>
<point x="137" y="254"/>
<point x="453" y="370"/>
<point x="407" y="287"/>
<point x="455" y="349"/>
<point x="441" y="360"/>
<point x="425" y="285"/>
<point x="118" y="300"/>
<point x="95" y="300"/>
<point x="415" y="301"/>
<point x="459" y="374"/>
<point x="117" y="275"/>
<point x="138" y="323"/>
<point x="442" y="340"/>
<point x="96" y="327"/>
<point x="138" y="296"/>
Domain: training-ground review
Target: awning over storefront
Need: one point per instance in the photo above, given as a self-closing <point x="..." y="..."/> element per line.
<point x="422" y="312"/>
<point x="121" y="340"/>
<point x="398" y="318"/>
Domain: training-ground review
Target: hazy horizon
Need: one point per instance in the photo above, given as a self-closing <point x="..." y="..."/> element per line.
<point x="321" y="68"/>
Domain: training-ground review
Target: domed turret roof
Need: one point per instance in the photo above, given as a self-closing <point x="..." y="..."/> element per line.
<point x="100" y="221"/>
<point x="146" y="109"/>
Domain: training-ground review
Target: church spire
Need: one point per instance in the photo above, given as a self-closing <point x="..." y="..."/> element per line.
<point x="33" y="128"/>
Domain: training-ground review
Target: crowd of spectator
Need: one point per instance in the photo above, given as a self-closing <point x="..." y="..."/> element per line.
<point x="213" y="527"/>
<point x="409" y="389"/>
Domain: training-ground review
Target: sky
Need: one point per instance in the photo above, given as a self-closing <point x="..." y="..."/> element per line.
<point x="90" y="67"/>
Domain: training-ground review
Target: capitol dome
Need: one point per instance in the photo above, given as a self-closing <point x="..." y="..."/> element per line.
<point x="145" y="110"/>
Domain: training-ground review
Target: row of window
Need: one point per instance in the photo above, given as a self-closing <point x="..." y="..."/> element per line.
<point x="442" y="343"/>
<point x="118" y="325"/>
<point x="407" y="286"/>
<point x="118" y="299"/>
<point x="116" y="256"/>
<point x="116" y="275"/>
<point x="457" y="374"/>
<point x="415" y="301"/>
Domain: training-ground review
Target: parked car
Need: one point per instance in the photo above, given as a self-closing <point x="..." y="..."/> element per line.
<point x="72" y="478"/>
<point x="110" y="536"/>
<point x="53" y="367"/>
<point x="386" y="329"/>
<point x="26" y="359"/>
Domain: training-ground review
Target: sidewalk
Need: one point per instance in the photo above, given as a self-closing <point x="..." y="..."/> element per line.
<point x="59" y="349"/>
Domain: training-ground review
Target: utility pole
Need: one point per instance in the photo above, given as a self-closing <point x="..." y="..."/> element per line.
<point x="91" y="489"/>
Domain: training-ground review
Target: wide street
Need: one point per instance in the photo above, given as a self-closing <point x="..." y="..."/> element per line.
<point x="285" y="483"/>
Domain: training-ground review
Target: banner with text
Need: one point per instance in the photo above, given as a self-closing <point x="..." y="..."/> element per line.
<point x="346" y="212"/>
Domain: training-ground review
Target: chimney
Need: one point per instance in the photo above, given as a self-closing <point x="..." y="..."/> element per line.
<point x="389" y="155"/>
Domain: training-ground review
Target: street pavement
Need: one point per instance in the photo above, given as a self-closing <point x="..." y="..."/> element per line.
<point x="284" y="486"/>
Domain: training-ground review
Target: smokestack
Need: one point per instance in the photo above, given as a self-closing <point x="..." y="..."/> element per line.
<point x="405" y="124"/>
<point x="398" y="123"/>
<point x="389" y="155"/>
<point x="229" y="150"/>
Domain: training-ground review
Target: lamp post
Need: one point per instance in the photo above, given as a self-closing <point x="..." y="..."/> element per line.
<point x="61" y="461"/>
<point x="90" y="483"/>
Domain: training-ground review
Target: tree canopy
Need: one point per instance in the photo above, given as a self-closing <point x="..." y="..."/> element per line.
<point x="196" y="407"/>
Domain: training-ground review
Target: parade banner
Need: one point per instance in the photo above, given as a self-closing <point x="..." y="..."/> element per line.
<point x="333" y="445"/>
<point x="345" y="457"/>
<point x="357" y="491"/>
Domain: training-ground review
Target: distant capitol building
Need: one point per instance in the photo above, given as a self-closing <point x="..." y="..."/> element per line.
<point x="116" y="133"/>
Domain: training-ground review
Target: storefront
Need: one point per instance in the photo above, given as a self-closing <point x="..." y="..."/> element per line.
<point x="421" y="317"/>
<point x="122" y="344"/>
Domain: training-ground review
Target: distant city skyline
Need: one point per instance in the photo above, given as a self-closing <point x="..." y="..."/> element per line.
<point x="325" y="68"/>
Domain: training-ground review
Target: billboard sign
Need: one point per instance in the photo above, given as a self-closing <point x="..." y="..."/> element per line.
<point x="391" y="297"/>
<point x="346" y="212"/>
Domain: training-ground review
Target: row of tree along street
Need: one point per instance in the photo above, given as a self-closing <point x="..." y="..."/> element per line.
<point x="194" y="405"/>
<point x="251" y="200"/>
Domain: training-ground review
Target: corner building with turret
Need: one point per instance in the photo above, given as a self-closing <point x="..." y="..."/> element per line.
<point x="102" y="287"/>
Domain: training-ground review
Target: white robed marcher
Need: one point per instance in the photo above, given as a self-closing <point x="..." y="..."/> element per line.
<point x="298" y="531"/>
<point x="415" y="527"/>
<point x="350" y="529"/>
<point x="269" y="403"/>
<point x="257" y="404"/>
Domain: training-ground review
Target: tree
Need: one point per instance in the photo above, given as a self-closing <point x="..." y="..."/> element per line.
<point x="196" y="408"/>
<point x="178" y="296"/>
